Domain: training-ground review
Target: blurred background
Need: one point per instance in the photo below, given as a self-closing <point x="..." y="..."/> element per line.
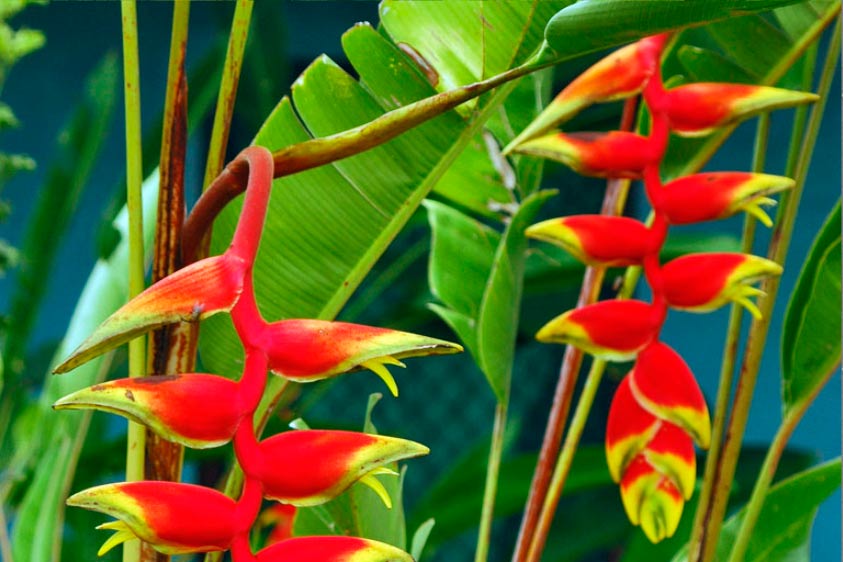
<point x="445" y="402"/>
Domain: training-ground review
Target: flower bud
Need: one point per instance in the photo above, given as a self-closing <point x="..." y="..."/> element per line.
<point x="597" y="240"/>
<point x="199" y="290"/>
<point x="195" y="410"/>
<point x="717" y="195"/>
<point x="620" y="75"/>
<point x="309" y="467"/>
<point x="615" y="330"/>
<point x="334" y="548"/>
<point x="700" y="108"/>
<point x="616" y="154"/>
<point x="174" y="518"/>
<point x="662" y="383"/>
<point x="311" y="350"/>
<point x="651" y="500"/>
<point x="706" y="281"/>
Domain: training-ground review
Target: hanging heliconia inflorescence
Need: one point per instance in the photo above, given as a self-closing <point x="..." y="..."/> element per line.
<point x="297" y="468"/>
<point x="658" y="411"/>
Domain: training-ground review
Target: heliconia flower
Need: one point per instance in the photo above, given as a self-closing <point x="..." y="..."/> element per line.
<point x="616" y="154"/>
<point x="311" y="350"/>
<point x="619" y="75"/>
<point x="597" y="240"/>
<point x="651" y="500"/>
<point x="662" y="383"/>
<point x="717" y="195"/>
<point x="281" y="517"/>
<point x="615" y="330"/>
<point x="174" y="518"/>
<point x="309" y="467"/>
<point x="195" y="410"/>
<point x="706" y="281"/>
<point x="198" y="291"/>
<point x="334" y="548"/>
<point x="700" y="108"/>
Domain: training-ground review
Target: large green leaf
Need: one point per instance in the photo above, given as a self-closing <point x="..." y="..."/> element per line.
<point x="811" y="333"/>
<point x="589" y="25"/>
<point x="326" y="227"/>
<point x="783" y="531"/>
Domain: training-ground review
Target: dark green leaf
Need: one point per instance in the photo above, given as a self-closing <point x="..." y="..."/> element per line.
<point x="704" y="65"/>
<point x="811" y="334"/>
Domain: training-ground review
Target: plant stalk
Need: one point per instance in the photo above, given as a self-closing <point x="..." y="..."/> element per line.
<point x="779" y="244"/>
<point x="490" y="490"/>
<point x="613" y="204"/>
<point x="137" y="362"/>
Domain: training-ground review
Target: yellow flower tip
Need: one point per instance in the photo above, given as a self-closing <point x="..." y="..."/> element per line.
<point x="376" y="486"/>
<point x="756" y="211"/>
<point x="123" y="534"/>
<point x="377" y="367"/>
<point x="661" y="512"/>
<point x="750" y="306"/>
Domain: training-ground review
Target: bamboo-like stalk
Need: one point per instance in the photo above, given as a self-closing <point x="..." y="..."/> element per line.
<point x="491" y="487"/>
<point x="134" y="179"/>
<point x="780" y="241"/>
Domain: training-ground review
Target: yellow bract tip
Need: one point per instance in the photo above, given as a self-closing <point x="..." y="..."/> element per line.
<point x="756" y="211"/>
<point x="377" y="367"/>
<point x="376" y="486"/>
<point x="122" y="535"/>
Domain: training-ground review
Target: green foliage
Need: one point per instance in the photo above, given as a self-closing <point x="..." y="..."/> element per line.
<point x="811" y="334"/>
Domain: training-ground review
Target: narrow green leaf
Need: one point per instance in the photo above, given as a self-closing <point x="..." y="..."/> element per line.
<point x="420" y="538"/>
<point x="783" y="531"/>
<point x="811" y="335"/>
<point x="606" y="23"/>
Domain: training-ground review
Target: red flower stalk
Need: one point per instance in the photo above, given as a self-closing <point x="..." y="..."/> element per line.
<point x="718" y="195"/>
<point x="658" y="408"/>
<point x="598" y="240"/>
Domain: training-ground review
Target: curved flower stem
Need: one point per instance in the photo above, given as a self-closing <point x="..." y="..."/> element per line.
<point x="491" y="487"/>
<point x="613" y="203"/>
<point x="137" y="361"/>
<point x="730" y="348"/>
<point x="780" y="241"/>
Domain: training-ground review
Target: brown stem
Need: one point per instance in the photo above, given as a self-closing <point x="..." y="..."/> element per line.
<point x="613" y="203"/>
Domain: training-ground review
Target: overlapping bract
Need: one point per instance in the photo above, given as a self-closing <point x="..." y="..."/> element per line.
<point x="300" y="468"/>
<point x="658" y="411"/>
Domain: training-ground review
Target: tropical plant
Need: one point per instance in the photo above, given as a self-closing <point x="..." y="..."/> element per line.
<point x="450" y="118"/>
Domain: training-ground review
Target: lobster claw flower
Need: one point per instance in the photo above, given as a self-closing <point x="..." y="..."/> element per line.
<point x="195" y="410"/>
<point x="334" y="548"/>
<point x="326" y="463"/>
<point x="619" y="75"/>
<point x="199" y="290"/>
<point x="597" y="240"/>
<point x="662" y="383"/>
<point x="174" y="518"/>
<point x="615" y="154"/>
<point x="717" y="195"/>
<point x="615" y="330"/>
<point x="700" y="108"/>
<point x="311" y="350"/>
<point x="651" y="500"/>
<point x="706" y="281"/>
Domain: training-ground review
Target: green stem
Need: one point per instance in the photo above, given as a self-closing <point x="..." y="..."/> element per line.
<point x="730" y="349"/>
<point x="758" y="331"/>
<point x="492" y="475"/>
<point x="566" y="458"/>
<point x="137" y="361"/>
<point x="228" y="89"/>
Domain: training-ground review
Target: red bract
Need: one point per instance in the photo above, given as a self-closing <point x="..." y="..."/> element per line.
<point x="598" y="240"/>
<point x="613" y="330"/>
<point x="697" y="109"/>
<point x="717" y="195"/>
<point x="326" y="463"/>
<point x="706" y="281"/>
<point x="615" y="154"/>
<point x="174" y="518"/>
<point x="332" y="549"/>
<point x="195" y="410"/>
